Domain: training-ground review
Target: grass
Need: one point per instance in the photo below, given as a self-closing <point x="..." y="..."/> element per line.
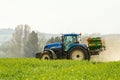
<point x="34" y="69"/>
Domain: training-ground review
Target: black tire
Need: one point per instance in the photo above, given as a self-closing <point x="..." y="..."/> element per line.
<point x="46" y="56"/>
<point x="38" y="55"/>
<point x="79" y="53"/>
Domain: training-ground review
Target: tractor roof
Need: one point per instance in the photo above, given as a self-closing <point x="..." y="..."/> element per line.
<point x="70" y="34"/>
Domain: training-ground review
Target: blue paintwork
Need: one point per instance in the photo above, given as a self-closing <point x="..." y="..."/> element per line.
<point x="59" y="44"/>
<point x="53" y="45"/>
<point x="76" y="44"/>
<point x="70" y="34"/>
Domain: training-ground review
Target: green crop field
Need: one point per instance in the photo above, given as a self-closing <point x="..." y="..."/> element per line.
<point x="34" y="69"/>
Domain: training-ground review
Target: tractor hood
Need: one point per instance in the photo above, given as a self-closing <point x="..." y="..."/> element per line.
<point x="53" y="45"/>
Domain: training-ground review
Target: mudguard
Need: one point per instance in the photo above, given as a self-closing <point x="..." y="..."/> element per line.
<point x="74" y="45"/>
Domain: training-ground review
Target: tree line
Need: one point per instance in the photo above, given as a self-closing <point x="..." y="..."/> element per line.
<point x="25" y="43"/>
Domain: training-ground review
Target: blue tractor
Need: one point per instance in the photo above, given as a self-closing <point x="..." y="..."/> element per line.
<point x="68" y="48"/>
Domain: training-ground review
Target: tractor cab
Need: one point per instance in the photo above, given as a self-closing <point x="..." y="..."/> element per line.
<point x="69" y="39"/>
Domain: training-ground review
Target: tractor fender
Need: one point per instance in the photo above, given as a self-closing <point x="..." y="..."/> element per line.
<point x="52" y="53"/>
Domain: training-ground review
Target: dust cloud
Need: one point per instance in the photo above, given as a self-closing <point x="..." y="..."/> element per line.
<point x="112" y="52"/>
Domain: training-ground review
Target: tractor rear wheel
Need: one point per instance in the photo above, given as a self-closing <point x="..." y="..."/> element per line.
<point x="46" y="56"/>
<point x="79" y="53"/>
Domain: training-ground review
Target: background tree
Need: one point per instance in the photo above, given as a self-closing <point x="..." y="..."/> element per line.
<point x="26" y="33"/>
<point x="31" y="45"/>
<point x="15" y="45"/>
<point x="18" y="42"/>
<point x="41" y="41"/>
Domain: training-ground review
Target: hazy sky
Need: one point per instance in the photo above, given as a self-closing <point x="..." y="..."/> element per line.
<point x="62" y="16"/>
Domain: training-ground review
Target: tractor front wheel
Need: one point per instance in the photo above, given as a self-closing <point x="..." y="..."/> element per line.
<point x="46" y="56"/>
